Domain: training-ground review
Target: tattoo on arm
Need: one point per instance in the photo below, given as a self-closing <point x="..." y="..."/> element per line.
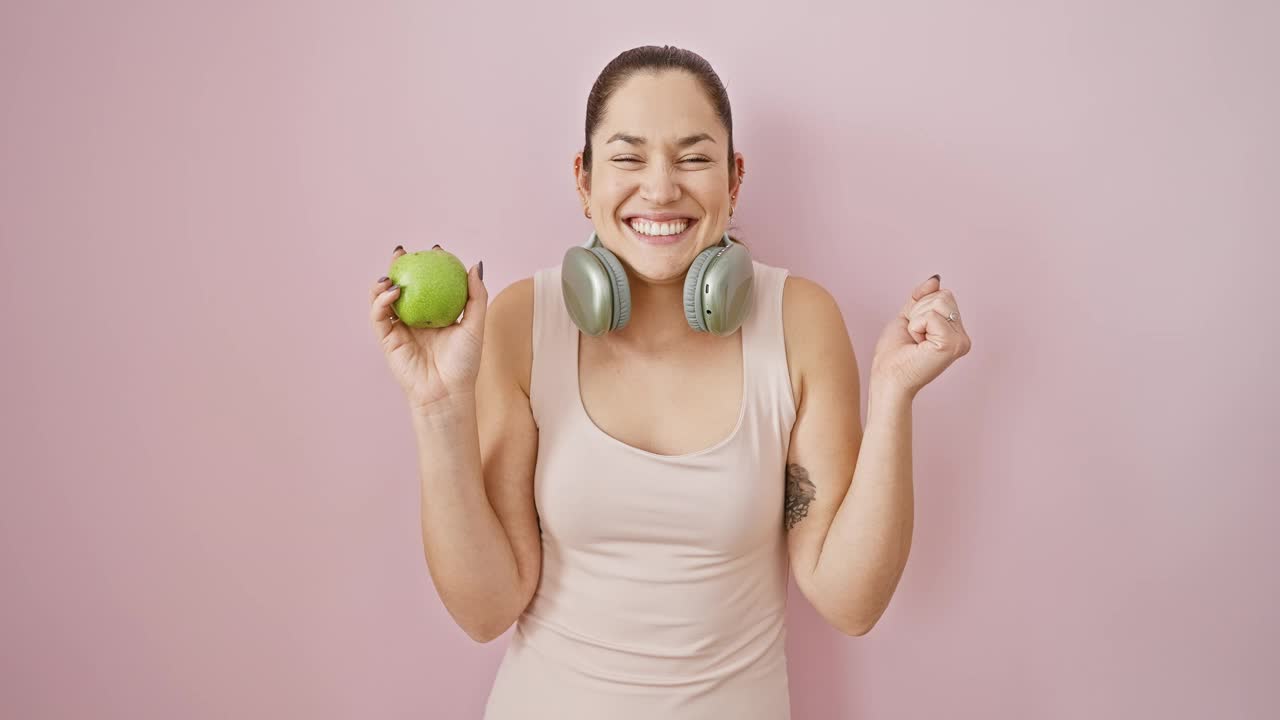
<point x="800" y="492"/>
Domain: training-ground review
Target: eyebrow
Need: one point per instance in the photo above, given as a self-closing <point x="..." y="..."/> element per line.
<point x="683" y="142"/>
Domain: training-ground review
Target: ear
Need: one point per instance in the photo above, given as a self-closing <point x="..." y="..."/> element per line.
<point x="739" y="170"/>
<point x="581" y="179"/>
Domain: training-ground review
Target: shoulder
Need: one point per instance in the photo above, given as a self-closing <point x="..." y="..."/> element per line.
<point x="508" y="333"/>
<point x="802" y="295"/>
<point x="816" y="337"/>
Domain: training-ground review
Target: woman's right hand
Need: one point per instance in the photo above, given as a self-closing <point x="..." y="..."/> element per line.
<point x="432" y="365"/>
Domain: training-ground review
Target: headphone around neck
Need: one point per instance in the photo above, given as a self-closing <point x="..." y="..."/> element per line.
<point x="717" y="288"/>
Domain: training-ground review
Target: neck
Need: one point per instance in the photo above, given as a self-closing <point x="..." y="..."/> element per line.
<point x="657" y="316"/>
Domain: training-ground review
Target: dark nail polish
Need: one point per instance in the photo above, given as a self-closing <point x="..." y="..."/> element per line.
<point x="481" y="271"/>
<point x="435" y="247"/>
<point x="936" y="276"/>
<point x="384" y="278"/>
<point x="398" y="247"/>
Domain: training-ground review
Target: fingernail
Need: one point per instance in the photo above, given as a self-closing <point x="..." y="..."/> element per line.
<point x="939" y="277"/>
<point x="384" y="278"/>
<point x="481" y="271"/>
<point x="435" y="247"/>
<point x="398" y="247"/>
<point x="393" y="287"/>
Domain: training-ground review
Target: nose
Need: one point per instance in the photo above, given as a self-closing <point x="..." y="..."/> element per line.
<point x="659" y="186"/>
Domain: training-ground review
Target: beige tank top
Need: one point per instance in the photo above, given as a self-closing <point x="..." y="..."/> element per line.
<point x="664" y="577"/>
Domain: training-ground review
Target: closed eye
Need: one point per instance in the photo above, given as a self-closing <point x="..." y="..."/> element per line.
<point x="697" y="160"/>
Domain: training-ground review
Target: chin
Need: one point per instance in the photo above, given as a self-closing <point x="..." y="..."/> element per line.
<point x="660" y="261"/>
<point x="658" y="266"/>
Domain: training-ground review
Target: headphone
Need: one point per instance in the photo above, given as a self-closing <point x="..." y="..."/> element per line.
<point x="717" y="288"/>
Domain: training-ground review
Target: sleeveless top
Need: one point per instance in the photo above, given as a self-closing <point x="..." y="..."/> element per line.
<point x="664" y="577"/>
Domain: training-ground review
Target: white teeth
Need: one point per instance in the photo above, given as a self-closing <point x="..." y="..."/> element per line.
<point x="645" y="227"/>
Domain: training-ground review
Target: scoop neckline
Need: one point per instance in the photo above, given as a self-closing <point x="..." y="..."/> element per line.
<point x="733" y="434"/>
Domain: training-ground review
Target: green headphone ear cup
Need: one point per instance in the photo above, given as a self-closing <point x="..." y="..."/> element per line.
<point x="718" y="288"/>
<point x="693" y="308"/>
<point x="621" y="290"/>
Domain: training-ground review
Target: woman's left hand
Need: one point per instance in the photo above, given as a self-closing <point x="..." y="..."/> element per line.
<point x="920" y="342"/>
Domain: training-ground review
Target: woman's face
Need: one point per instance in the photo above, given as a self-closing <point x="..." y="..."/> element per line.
<point x="660" y="150"/>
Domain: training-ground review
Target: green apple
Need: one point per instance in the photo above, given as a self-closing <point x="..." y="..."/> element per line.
<point x="433" y="288"/>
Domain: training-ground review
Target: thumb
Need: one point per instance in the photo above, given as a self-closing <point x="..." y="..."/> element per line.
<point x="933" y="284"/>
<point x="477" y="302"/>
<point x="929" y="286"/>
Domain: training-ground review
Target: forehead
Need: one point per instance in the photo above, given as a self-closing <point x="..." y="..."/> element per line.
<point x="660" y="107"/>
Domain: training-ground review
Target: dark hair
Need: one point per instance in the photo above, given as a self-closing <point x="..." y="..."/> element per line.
<point x="654" y="59"/>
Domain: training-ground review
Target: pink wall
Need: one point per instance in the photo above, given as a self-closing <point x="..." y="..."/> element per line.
<point x="209" y="505"/>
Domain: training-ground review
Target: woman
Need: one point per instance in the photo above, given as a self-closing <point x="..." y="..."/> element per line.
<point x="628" y="458"/>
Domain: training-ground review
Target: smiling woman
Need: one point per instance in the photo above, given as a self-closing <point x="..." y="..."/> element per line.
<point x="663" y="404"/>
<point x="660" y="432"/>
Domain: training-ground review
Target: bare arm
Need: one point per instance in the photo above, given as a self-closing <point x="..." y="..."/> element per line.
<point x="476" y="457"/>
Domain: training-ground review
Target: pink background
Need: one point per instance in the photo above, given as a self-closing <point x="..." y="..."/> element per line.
<point x="209" y="504"/>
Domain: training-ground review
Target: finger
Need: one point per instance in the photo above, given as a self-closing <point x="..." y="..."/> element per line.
<point x="948" y="312"/>
<point x="936" y="301"/>
<point x="477" y="306"/>
<point x="383" y="283"/>
<point x="944" y="301"/>
<point x="928" y="286"/>
<point x="381" y="313"/>
<point x="933" y="327"/>
<point x="922" y="292"/>
<point x="397" y="252"/>
<point x="914" y="307"/>
<point x="916" y="327"/>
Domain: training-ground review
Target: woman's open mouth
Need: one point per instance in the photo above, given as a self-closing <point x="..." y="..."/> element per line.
<point x="660" y="233"/>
